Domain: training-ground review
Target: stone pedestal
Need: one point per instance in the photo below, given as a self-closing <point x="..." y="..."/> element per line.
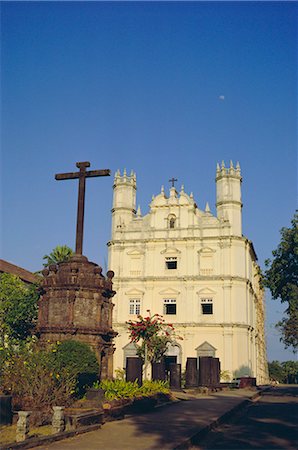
<point x="23" y="425"/>
<point x="134" y="370"/>
<point x="58" y="421"/>
<point x="191" y="375"/>
<point x="76" y="304"/>
<point x="175" y="376"/>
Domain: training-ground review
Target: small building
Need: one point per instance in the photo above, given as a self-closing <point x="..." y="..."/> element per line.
<point x="23" y="274"/>
<point x="194" y="268"/>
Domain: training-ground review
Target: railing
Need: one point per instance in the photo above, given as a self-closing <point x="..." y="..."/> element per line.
<point x="135" y="273"/>
<point x="206" y="272"/>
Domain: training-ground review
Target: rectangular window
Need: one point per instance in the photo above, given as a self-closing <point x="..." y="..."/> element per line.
<point x="207" y="305"/>
<point x="171" y="263"/>
<point x="169" y="306"/>
<point x="134" y="306"/>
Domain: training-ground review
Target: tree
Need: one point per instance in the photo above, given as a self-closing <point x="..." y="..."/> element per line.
<point x="18" y="307"/>
<point x="154" y="335"/>
<point x="276" y="371"/>
<point x="61" y="253"/>
<point x="281" y="278"/>
<point x="285" y="372"/>
<point x="291" y="371"/>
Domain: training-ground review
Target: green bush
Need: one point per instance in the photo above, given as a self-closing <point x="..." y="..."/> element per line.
<point x="76" y="356"/>
<point x="120" y="389"/>
<point x="151" y="387"/>
<point x="78" y="359"/>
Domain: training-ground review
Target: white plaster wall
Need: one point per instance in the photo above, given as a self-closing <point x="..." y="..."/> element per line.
<point x="137" y="255"/>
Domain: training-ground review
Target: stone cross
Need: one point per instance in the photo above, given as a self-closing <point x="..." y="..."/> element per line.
<point x="81" y="175"/>
<point x="172" y="180"/>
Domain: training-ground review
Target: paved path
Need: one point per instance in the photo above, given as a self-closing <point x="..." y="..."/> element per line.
<point x="270" y="423"/>
<point x="163" y="428"/>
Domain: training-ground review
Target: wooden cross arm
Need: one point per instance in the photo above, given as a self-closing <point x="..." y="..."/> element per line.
<point x="90" y="173"/>
<point x="98" y="173"/>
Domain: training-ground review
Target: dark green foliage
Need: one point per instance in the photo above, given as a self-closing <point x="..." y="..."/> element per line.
<point x="276" y="371"/>
<point x="18" y="307"/>
<point x="281" y="278"/>
<point x="78" y="359"/>
<point x="285" y="372"/>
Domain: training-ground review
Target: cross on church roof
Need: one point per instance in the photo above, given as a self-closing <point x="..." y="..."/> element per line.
<point x="82" y="175"/>
<point x="172" y="180"/>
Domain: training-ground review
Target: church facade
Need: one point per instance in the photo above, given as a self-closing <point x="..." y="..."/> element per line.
<point x="194" y="268"/>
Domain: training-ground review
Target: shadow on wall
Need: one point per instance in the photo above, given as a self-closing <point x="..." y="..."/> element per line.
<point x="243" y="371"/>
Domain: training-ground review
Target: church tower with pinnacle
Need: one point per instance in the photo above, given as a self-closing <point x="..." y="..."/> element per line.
<point x="228" y="196"/>
<point x="124" y="200"/>
<point x="195" y="268"/>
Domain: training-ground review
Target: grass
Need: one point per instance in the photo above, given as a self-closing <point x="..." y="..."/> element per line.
<point x="8" y="432"/>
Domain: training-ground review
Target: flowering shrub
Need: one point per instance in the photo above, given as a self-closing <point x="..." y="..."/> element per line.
<point x="41" y="378"/>
<point x="154" y="334"/>
<point x="28" y="374"/>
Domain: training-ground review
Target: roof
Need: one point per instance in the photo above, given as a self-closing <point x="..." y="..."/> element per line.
<point x="25" y="275"/>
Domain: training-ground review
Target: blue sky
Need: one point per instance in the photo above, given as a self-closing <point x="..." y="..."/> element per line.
<point x="166" y="89"/>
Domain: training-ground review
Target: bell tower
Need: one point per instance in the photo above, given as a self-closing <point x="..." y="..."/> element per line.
<point x="124" y="200"/>
<point x="228" y="196"/>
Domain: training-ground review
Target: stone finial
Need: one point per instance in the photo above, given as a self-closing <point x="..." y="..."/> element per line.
<point x="110" y="274"/>
<point x="223" y="164"/>
<point x="53" y="268"/>
<point x="207" y="208"/>
<point x="162" y="190"/>
<point x="45" y="272"/>
<point x="58" y="420"/>
<point x="238" y="167"/>
<point x="217" y="168"/>
<point x="139" y="214"/>
<point x="182" y="188"/>
<point x="23" y="425"/>
<point x="124" y="173"/>
<point x="231" y="170"/>
<point x="132" y="173"/>
<point x="98" y="271"/>
<point x="191" y="195"/>
<point x="173" y="192"/>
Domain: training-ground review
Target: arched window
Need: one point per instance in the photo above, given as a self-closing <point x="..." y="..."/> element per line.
<point x="171" y="221"/>
<point x="130" y="350"/>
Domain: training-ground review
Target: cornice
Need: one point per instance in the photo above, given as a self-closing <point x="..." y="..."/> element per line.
<point x="134" y="240"/>
<point x="182" y="278"/>
<point x="199" y="325"/>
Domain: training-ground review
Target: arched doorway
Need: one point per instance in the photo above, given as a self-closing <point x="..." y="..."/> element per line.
<point x="173" y="355"/>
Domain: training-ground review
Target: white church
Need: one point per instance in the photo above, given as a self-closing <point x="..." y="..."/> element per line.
<point x="195" y="269"/>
